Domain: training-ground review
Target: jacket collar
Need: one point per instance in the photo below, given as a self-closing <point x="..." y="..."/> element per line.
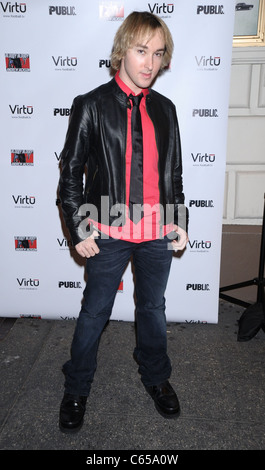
<point x="122" y="91"/>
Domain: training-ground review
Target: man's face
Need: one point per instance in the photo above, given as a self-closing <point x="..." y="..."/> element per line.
<point x="142" y="62"/>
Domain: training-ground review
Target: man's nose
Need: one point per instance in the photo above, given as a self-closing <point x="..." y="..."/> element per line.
<point x="149" y="61"/>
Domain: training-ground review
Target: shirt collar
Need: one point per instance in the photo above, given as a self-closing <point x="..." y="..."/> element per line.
<point x="125" y="88"/>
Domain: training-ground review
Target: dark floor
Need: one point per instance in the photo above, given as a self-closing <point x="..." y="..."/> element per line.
<point x="220" y="383"/>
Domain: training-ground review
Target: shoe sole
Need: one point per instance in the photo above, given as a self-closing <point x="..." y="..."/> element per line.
<point x="169" y="415"/>
<point x="66" y="430"/>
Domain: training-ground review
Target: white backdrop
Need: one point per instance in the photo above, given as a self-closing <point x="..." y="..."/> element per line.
<point x="52" y="51"/>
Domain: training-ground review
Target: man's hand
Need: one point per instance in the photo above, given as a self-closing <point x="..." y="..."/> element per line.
<point x="182" y="239"/>
<point x="88" y="247"/>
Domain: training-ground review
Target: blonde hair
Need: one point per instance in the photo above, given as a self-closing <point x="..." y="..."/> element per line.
<point x="136" y="26"/>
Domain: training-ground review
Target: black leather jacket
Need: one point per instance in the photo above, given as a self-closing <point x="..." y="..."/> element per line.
<point x="96" y="143"/>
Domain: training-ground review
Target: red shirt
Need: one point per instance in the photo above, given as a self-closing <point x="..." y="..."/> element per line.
<point x="149" y="227"/>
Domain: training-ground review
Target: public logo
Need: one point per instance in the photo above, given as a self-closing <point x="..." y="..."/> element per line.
<point x="205" y="113"/>
<point x="62" y="10"/>
<point x="22" y="157"/>
<point x="17" y="62"/>
<point x="61" y="111"/>
<point x="111" y="11"/>
<point x="70" y="284"/>
<point x="198" y="287"/>
<point x="21" y="111"/>
<point x="26" y="243"/>
<point x="210" y="9"/>
<point x="202" y="203"/>
<point x="104" y="63"/>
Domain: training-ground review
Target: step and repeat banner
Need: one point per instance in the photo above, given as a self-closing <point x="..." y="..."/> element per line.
<point x="52" y="51"/>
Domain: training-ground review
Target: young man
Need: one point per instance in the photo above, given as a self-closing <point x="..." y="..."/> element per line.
<point x="105" y="136"/>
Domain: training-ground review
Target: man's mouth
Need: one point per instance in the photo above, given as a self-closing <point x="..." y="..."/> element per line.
<point x="146" y="75"/>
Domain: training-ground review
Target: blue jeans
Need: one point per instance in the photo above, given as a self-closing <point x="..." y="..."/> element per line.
<point x="152" y="261"/>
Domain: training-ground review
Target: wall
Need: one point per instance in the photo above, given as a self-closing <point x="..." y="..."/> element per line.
<point x="245" y="168"/>
<point x="245" y="172"/>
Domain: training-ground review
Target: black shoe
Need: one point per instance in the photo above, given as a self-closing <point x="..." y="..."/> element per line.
<point x="72" y="412"/>
<point x="166" y="400"/>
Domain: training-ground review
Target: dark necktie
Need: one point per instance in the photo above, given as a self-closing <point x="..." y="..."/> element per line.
<point x="136" y="180"/>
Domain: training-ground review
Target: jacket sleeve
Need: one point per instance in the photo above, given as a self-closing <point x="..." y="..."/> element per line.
<point x="73" y="160"/>
<point x="181" y="213"/>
